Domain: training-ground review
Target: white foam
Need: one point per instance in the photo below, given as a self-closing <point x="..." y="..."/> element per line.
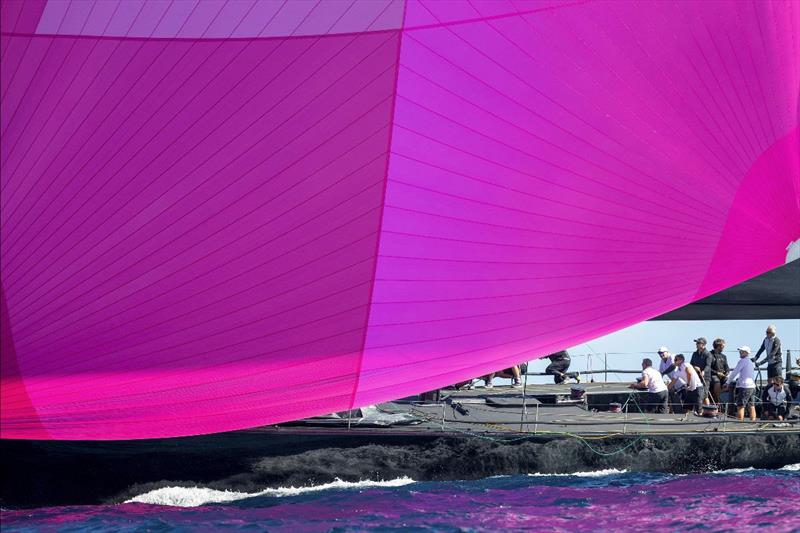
<point x="594" y="473"/>
<point x="195" y="496"/>
<point x="793" y="468"/>
<point x="732" y="470"/>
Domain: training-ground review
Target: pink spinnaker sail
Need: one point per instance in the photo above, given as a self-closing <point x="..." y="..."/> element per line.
<point x="218" y="215"/>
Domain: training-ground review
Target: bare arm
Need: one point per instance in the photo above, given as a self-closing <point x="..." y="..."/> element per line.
<point x="691" y="370"/>
<point x="642" y="384"/>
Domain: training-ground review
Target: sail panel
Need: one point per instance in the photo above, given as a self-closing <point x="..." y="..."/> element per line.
<point x="544" y="167"/>
<point x="189" y="229"/>
<point x="199" y="19"/>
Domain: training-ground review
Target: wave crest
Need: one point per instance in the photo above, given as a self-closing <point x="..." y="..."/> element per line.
<point x="196" y="496"/>
<point x="593" y="473"/>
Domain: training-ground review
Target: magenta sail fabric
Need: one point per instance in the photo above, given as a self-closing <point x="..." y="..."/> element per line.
<point x="218" y="215"/>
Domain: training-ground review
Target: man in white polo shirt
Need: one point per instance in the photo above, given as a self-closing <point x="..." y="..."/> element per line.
<point x="743" y="375"/>
<point x="656" y="397"/>
<point x="667" y="365"/>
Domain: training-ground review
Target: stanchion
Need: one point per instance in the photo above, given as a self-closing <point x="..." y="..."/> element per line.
<point x="524" y="413"/>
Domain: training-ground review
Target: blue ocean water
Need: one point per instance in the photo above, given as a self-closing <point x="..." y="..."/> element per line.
<point x="733" y="500"/>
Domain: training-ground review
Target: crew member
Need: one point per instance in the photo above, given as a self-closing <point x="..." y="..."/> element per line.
<point x="794" y="384"/>
<point x="694" y="384"/>
<point x="667" y="364"/>
<point x="677" y="386"/>
<point x="743" y="375"/>
<point x="794" y="391"/>
<point x="701" y="361"/>
<point x="511" y="373"/>
<point x="771" y="345"/>
<point x="778" y="397"/>
<point x="559" y="363"/>
<point x="656" y="398"/>
<point x="719" y="370"/>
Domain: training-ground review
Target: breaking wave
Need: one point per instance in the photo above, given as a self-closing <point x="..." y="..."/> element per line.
<point x="593" y="473"/>
<point x="733" y="470"/>
<point x="196" y="496"/>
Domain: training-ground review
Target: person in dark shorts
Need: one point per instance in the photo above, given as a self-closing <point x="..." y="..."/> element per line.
<point x="744" y="375"/>
<point x="719" y="370"/>
<point x="771" y="347"/>
<point x="512" y="373"/>
<point x="559" y="364"/>
<point x="701" y="362"/>
<point x="653" y="383"/>
<point x="778" y="397"/>
<point x="694" y="384"/>
<point x="677" y="385"/>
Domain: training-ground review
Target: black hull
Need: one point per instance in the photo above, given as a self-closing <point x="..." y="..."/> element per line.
<point x="46" y="473"/>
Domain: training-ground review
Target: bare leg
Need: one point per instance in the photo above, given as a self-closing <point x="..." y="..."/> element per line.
<point x="515" y="371"/>
<point x="752" y="413"/>
<point x="740" y="413"/>
<point x="488" y="379"/>
<point x="717" y="392"/>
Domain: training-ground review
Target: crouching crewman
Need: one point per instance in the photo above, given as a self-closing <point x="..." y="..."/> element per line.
<point x="777" y="400"/>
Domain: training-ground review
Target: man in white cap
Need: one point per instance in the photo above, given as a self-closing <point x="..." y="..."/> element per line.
<point x="667" y="365"/>
<point x="744" y="375"/>
<point x="772" y="346"/>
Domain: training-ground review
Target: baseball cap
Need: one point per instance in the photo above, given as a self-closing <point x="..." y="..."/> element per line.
<point x="744" y="349"/>
<point x="663" y="349"/>
<point x="701" y="339"/>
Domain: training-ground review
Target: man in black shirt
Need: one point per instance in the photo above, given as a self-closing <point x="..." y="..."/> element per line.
<point x="719" y="369"/>
<point x="701" y="361"/>
<point x="559" y="363"/>
<point x="772" y="346"/>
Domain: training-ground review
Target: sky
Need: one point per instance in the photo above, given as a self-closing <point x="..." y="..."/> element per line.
<point x="627" y="347"/>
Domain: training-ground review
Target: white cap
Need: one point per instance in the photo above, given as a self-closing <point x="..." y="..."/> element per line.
<point x="663" y="349"/>
<point x="744" y="349"/>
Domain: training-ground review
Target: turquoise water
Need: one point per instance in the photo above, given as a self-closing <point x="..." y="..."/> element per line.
<point x="732" y="500"/>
